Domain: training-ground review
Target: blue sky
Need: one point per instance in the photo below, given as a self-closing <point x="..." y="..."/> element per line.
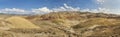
<point x="28" y="4"/>
<point x="46" y="6"/>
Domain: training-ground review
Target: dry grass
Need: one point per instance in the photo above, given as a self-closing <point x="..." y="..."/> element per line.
<point x="65" y="22"/>
<point x="62" y="23"/>
<point x="58" y="21"/>
<point x="19" y="22"/>
<point x="102" y="21"/>
<point x="97" y="21"/>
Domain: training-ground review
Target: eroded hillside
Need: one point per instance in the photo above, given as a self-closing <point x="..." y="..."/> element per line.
<point x="61" y="24"/>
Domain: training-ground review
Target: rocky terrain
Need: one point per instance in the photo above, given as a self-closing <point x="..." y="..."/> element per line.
<point x="61" y="24"/>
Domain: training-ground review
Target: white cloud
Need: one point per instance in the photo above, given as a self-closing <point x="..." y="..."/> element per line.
<point x="41" y="10"/>
<point x="104" y="10"/>
<point x="85" y="10"/>
<point x="101" y="1"/>
<point x="47" y="10"/>
<point x="38" y="10"/>
<point x="66" y="8"/>
<point x="12" y="10"/>
<point x="109" y="6"/>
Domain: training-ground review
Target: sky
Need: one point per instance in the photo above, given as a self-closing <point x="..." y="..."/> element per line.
<point x="46" y="6"/>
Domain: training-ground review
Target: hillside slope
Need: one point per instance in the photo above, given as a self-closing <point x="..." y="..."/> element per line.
<point x="19" y="22"/>
<point x="62" y="24"/>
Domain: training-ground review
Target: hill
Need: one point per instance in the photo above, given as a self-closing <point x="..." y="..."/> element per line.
<point x="19" y="22"/>
<point x="72" y="15"/>
<point x="80" y="22"/>
<point x="61" y="24"/>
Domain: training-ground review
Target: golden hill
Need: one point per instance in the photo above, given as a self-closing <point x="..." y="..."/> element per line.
<point x="64" y="24"/>
<point x="97" y="21"/>
<point x="19" y="22"/>
<point x="102" y="21"/>
<point x="71" y="15"/>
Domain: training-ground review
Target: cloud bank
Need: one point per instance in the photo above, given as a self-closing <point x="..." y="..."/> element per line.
<point x="65" y="7"/>
<point x="41" y="10"/>
<point x="12" y="11"/>
<point x="100" y="1"/>
<point x="112" y="6"/>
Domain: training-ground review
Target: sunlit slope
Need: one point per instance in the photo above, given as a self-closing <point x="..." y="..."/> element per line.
<point x="97" y="21"/>
<point x="102" y="21"/>
<point x="71" y="18"/>
<point x="19" y="22"/>
<point x="60" y="24"/>
<point x="71" y="15"/>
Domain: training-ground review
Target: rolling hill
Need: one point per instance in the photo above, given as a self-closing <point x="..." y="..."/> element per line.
<point x="61" y="24"/>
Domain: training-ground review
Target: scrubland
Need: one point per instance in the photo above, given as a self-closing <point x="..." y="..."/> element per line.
<point x="61" y="24"/>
